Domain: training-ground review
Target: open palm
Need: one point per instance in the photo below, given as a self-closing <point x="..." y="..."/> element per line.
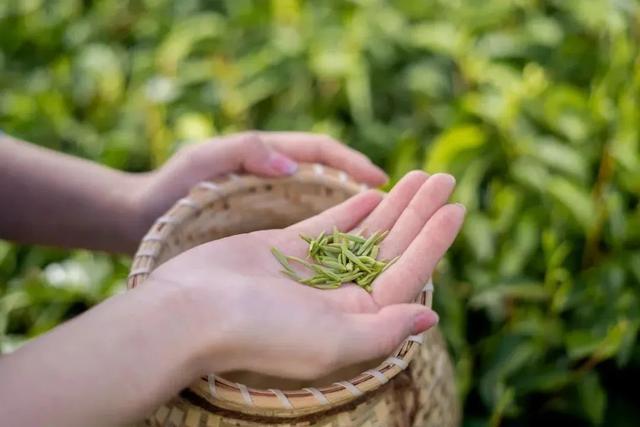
<point x="269" y="314"/>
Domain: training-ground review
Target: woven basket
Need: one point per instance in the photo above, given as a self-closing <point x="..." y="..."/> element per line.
<point x="391" y="394"/>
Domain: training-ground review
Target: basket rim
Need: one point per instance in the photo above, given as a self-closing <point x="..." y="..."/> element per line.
<point x="235" y="396"/>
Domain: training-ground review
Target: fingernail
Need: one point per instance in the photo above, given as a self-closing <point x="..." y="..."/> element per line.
<point x="385" y="178"/>
<point x="424" y="321"/>
<point x="448" y="176"/>
<point x="463" y="207"/>
<point x="282" y="164"/>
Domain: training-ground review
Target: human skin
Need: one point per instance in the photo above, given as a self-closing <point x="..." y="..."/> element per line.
<point x="55" y="199"/>
<point x="209" y="311"/>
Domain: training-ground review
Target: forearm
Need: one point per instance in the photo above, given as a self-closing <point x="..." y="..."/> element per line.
<point x="112" y="365"/>
<point x="52" y="198"/>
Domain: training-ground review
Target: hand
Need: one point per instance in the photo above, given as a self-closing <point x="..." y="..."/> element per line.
<point x="225" y="306"/>
<point x="55" y="199"/>
<point x="261" y="153"/>
<point x="252" y="317"/>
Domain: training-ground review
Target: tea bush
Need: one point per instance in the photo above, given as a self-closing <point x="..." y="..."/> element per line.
<point x="531" y="104"/>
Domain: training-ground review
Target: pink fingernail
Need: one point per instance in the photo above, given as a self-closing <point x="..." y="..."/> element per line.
<point x="424" y="321"/>
<point x="447" y="176"/>
<point x="282" y="164"/>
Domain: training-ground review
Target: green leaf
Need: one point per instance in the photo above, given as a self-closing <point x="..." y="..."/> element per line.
<point x="479" y="236"/>
<point x="560" y="156"/>
<point x="582" y="343"/>
<point x="592" y="397"/>
<point x="576" y="200"/>
<point x="404" y="158"/>
<point x="445" y="148"/>
<point x="530" y="174"/>
<point x="515" y="291"/>
<point x="548" y="379"/>
<point x="441" y="37"/>
<point x="520" y="249"/>
<point x="184" y="37"/>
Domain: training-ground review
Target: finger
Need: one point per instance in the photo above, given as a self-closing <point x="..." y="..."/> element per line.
<point x="369" y="336"/>
<point x="260" y="158"/>
<point x="245" y="151"/>
<point x="315" y="148"/>
<point x="404" y="279"/>
<point x="344" y="216"/>
<point x="387" y="212"/>
<point x="431" y="196"/>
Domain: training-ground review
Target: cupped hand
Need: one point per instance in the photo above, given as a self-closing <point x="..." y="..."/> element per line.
<point x="268" y="154"/>
<point x="252" y="317"/>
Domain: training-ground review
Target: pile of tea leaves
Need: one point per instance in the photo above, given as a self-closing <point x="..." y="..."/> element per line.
<point x="338" y="258"/>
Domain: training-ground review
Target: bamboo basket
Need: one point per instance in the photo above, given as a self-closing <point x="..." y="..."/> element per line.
<point x="392" y="394"/>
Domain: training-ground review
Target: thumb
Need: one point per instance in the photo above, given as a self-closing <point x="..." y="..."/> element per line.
<point x="369" y="336"/>
<point x="246" y="151"/>
<point x="261" y="159"/>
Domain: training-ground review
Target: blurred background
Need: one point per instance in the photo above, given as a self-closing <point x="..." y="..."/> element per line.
<point x="531" y="104"/>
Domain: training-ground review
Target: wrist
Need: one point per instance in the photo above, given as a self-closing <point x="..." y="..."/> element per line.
<point x="205" y="334"/>
<point x="130" y="206"/>
<point x="170" y="312"/>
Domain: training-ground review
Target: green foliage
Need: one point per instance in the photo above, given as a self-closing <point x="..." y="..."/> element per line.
<point x="532" y="104"/>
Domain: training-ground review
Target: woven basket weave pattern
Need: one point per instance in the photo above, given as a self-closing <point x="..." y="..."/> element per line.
<point x="423" y="395"/>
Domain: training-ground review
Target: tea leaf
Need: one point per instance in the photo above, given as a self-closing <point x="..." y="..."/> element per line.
<point x="282" y="259"/>
<point x="335" y="260"/>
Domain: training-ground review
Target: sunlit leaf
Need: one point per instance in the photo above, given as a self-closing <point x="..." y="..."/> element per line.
<point x="447" y="146"/>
